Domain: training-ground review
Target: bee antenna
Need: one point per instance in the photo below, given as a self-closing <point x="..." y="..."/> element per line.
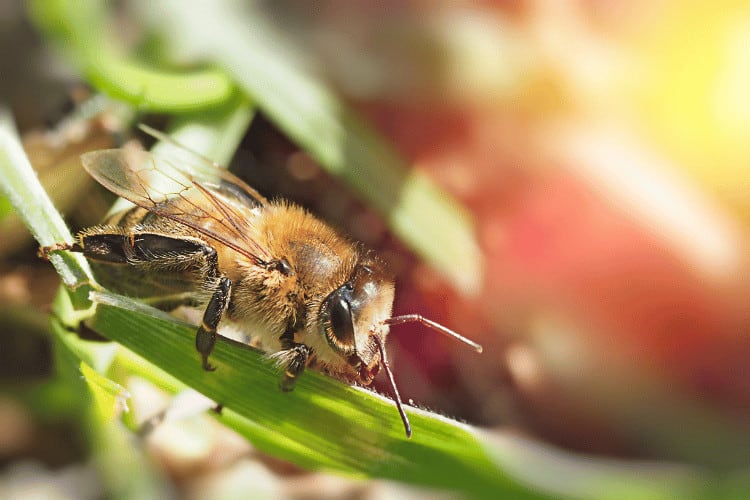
<point x="396" y="395"/>
<point x="418" y="318"/>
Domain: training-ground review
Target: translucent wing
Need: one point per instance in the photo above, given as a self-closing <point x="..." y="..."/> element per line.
<point x="207" y="199"/>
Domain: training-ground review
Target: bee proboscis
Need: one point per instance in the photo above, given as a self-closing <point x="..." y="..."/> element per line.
<point x="200" y="236"/>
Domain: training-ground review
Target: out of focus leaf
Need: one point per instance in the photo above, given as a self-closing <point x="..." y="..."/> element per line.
<point x="80" y="31"/>
<point x="110" y="398"/>
<point x="426" y="218"/>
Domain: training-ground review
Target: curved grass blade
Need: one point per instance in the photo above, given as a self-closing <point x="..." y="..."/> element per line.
<point x="327" y="425"/>
<point x="20" y="184"/>
<point x="80" y="30"/>
<point x="323" y="424"/>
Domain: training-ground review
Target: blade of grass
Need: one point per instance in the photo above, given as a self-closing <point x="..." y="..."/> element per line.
<point x="426" y="218"/>
<point x="80" y="30"/>
<point x="20" y="184"/>
<point x="261" y="437"/>
<point x="569" y="475"/>
<point x="327" y="425"/>
<point x="5" y="208"/>
<point x="323" y="424"/>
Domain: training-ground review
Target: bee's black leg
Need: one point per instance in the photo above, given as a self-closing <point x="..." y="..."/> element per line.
<point x="295" y="358"/>
<point x="205" y="338"/>
<point x="152" y="251"/>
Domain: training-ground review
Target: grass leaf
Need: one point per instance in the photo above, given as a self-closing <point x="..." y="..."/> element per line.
<point x="322" y="424"/>
<point x="20" y="184"/>
<point x="80" y="30"/>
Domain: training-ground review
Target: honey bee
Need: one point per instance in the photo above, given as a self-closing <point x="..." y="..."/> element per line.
<point x="200" y="236"/>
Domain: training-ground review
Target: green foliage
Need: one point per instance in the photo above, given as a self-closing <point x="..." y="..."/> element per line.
<point x="323" y="424"/>
<point x="81" y="31"/>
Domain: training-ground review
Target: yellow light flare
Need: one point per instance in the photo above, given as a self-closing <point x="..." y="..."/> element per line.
<point x="695" y="101"/>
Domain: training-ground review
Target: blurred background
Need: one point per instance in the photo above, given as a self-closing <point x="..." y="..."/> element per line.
<point x="603" y="151"/>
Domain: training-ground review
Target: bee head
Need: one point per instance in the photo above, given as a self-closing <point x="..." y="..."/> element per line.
<point x="355" y="320"/>
<point x="354" y="313"/>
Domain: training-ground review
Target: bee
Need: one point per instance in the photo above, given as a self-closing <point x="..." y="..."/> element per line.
<point x="200" y="236"/>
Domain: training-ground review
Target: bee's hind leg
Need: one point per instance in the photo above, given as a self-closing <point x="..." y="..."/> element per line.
<point x="152" y="251"/>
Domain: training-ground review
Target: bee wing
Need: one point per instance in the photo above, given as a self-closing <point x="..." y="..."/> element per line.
<point x="207" y="199"/>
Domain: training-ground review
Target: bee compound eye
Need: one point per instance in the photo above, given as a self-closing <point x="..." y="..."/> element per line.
<point x="339" y="321"/>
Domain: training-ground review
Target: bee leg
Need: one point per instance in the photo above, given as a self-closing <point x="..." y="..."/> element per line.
<point x="45" y="251"/>
<point x="295" y="356"/>
<point x="100" y="243"/>
<point x="205" y="338"/>
<point x="298" y="356"/>
<point x="153" y="251"/>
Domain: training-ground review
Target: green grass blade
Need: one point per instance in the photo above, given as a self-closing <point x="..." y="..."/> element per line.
<point x="568" y="475"/>
<point x="327" y="425"/>
<point x="322" y="424"/>
<point x="80" y="30"/>
<point x="20" y="184"/>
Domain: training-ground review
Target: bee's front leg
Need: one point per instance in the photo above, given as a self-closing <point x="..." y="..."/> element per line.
<point x="293" y="358"/>
<point x="205" y="338"/>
